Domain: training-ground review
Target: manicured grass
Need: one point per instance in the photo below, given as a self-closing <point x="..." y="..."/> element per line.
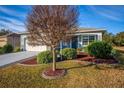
<point x="121" y="56"/>
<point x="77" y="76"/>
<point x="121" y="49"/>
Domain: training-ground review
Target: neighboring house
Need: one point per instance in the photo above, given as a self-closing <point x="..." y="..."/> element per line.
<point x="12" y="38"/>
<point x="81" y="38"/>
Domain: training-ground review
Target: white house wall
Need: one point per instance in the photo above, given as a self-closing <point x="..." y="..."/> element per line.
<point x="26" y="47"/>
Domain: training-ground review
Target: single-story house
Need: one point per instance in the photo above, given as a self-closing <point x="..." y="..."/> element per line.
<point x="82" y="38"/>
<point x="11" y="38"/>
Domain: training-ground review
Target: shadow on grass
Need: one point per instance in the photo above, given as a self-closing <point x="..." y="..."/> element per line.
<point x="75" y="67"/>
<point x="100" y="66"/>
<point x="115" y="66"/>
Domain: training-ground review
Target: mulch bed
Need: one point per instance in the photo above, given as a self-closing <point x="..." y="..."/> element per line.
<point x="81" y="57"/>
<point x="86" y="57"/>
<point x="30" y="62"/>
<point x="50" y="74"/>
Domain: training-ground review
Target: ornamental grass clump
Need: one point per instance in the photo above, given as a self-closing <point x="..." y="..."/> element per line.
<point x="100" y="49"/>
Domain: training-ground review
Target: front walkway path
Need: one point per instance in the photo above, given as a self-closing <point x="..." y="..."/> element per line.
<point x="11" y="58"/>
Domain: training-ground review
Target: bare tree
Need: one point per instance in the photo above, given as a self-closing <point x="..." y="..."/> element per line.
<point x="48" y="25"/>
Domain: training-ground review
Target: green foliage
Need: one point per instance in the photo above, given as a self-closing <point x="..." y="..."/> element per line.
<point x="68" y="53"/>
<point x="17" y="49"/>
<point x="1" y="50"/>
<point x="4" y="32"/>
<point x="79" y="49"/>
<point x="119" y="39"/>
<point x="85" y="49"/>
<point x="7" y="48"/>
<point x="108" y="37"/>
<point x="44" y="57"/>
<point x="119" y="56"/>
<point x="100" y="49"/>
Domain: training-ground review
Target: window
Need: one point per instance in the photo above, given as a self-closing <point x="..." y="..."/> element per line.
<point x="85" y="40"/>
<point x="91" y="38"/>
<point x="65" y="44"/>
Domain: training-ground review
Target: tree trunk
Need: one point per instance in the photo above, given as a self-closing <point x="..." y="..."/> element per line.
<point x="54" y="59"/>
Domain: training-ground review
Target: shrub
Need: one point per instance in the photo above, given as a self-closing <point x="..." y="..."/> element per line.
<point x="85" y="49"/>
<point x="100" y="49"/>
<point x="7" y="48"/>
<point x="1" y="50"/>
<point x="79" y="49"/>
<point x="44" y="57"/>
<point x="17" y="49"/>
<point x="119" y="56"/>
<point x="68" y="53"/>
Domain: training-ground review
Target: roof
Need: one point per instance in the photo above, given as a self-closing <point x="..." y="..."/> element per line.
<point x="81" y="30"/>
<point x="9" y="34"/>
<point x="90" y="30"/>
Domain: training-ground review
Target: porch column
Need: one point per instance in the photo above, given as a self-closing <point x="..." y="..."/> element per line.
<point x="70" y="42"/>
<point x="60" y="45"/>
<point x="61" y="49"/>
<point x="78" y="41"/>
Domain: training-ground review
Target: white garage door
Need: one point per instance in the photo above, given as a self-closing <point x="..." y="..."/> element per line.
<point x="34" y="48"/>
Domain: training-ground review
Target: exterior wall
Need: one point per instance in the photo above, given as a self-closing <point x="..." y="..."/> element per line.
<point x="26" y="47"/>
<point x="24" y="42"/>
<point x="3" y="41"/>
<point x="14" y="40"/>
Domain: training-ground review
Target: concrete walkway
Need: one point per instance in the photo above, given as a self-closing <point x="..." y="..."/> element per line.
<point x="11" y="58"/>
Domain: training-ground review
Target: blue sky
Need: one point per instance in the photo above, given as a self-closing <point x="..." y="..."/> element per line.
<point x="107" y="17"/>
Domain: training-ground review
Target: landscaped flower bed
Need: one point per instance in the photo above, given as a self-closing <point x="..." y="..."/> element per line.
<point x="86" y="57"/>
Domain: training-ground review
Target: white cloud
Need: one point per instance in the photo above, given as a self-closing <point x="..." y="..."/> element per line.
<point x="11" y="23"/>
<point x="12" y="12"/>
<point x="11" y="26"/>
<point x="107" y="12"/>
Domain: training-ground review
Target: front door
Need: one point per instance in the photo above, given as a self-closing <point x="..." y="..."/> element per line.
<point x="74" y="42"/>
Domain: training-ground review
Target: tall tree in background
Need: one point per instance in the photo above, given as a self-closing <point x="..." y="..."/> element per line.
<point x="48" y="25"/>
<point x="108" y="37"/>
<point x="119" y="39"/>
<point x="4" y="32"/>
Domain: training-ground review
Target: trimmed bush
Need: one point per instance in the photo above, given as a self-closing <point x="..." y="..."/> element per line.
<point x="1" y="50"/>
<point x="85" y="49"/>
<point x="44" y="57"/>
<point x="17" y="49"/>
<point x="79" y="49"/>
<point x="68" y="53"/>
<point x="100" y="49"/>
<point x="7" y="48"/>
<point x="119" y="56"/>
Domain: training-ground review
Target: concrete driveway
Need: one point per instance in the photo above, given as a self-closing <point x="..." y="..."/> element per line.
<point x="11" y="58"/>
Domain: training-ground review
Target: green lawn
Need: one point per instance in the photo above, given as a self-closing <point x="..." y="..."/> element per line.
<point x="77" y="76"/>
<point x="121" y="49"/>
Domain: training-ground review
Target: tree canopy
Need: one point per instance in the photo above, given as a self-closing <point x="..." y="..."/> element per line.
<point x="51" y="24"/>
<point x="117" y="40"/>
<point x="4" y="32"/>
